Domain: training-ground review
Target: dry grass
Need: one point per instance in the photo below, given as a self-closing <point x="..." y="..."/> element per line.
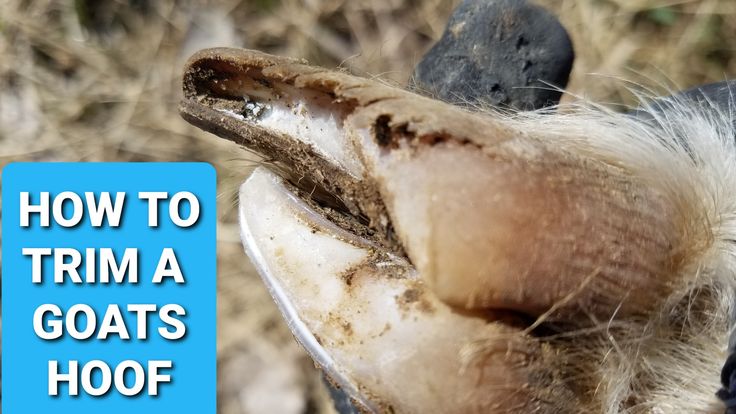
<point x="99" y="81"/>
<point x="659" y="44"/>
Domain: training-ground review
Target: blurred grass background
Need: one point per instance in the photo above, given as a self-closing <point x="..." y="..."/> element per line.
<point x="88" y="80"/>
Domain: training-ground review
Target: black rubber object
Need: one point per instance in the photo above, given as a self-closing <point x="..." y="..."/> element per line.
<point x="720" y="96"/>
<point x="503" y="53"/>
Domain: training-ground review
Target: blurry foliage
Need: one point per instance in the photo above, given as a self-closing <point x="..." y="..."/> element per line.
<point x="656" y="45"/>
<point x="98" y="80"/>
<point x="266" y="5"/>
<point x="664" y="16"/>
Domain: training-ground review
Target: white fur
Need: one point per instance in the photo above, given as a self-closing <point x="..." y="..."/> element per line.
<point x="671" y="361"/>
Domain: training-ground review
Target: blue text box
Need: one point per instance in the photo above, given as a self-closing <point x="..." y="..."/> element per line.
<point x="25" y="356"/>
